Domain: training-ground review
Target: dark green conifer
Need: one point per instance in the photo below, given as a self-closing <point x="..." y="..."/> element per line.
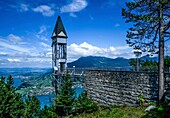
<point x="83" y="104"/>
<point x="11" y="104"/>
<point x="48" y="112"/>
<point x="65" y="97"/>
<point x="32" y="107"/>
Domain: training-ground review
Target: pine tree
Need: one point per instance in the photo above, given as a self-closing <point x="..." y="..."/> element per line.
<point x="83" y="104"/>
<point x="149" y="66"/>
<point x="151" y="21"/>
<point x="133" y="63"/>
<point x="48" y="112"/>
<point x="31" y="107"/>
<point x="65" y="97"/>
<point x="11" y="103"/>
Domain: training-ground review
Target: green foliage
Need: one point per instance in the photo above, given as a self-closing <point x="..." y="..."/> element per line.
<point x="36" y="85"/>
<point x="32" y="107"/>
<point x="145" y="16"/>
<point x="150" y="29"/>
<point x="115" y="112"/>
<point x="65" y="97"/>
<point x="167" y="63"/>
<point x="149" y="66"/>
<point x="11" y="103"/>
<point x="152" y="103"/>
<point x="66" y="104"/>
<point x="133" y="63"/>
<point x="162" y="111"/>
<point x="141" y="99"/>
<point x="48" y="112"/>
<point x="84" y="105"/>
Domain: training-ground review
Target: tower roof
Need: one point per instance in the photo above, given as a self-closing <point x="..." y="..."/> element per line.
<point x="59" y="30"/>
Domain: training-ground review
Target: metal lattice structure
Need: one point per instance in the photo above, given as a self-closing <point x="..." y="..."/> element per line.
<point x="59" y="51"/>
<point x="59" y="57"/>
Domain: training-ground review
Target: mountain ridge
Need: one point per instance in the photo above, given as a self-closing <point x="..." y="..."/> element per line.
<point x="99" y="62"/>
<point x="104" y="62"/>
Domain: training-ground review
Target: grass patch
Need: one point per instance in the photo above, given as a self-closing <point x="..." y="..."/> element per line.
<point x="116" y="112"/>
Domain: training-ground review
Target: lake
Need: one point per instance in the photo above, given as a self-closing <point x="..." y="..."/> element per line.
<point x="45" y="99"/>
<point x="17" y="82"/>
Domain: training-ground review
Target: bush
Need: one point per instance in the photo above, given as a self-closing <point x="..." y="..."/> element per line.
<point x="84" y="105"/>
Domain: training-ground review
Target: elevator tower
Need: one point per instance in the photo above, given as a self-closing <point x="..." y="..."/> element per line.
<point x="59" y="48"/>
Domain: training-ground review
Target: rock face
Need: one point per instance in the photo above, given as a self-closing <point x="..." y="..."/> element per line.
<point x="149" y="108"/>
<point x="122" y="87"/>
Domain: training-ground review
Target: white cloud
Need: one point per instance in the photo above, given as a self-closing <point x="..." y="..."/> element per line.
<point x="27" y="55"/>
<point x="14" y="39"/>
<point x="3" y="53"/>
<point x="24" y="7"/>
<point x="109" y="3"/>
<point x="73" y="15"/>
<point x="49" y="53"/>
<point x="42" y="33"/>
<point x="43" y="38"/>
<point x="42" y="29"/>
<point x="117" y="25"/>
<point x="45" y="45"/>
<point x="75" y="51"/>
<point x="14" y="60"/>
<point x="39" y="54"/>
<point x="75" y="6"/>
<point x="6" y="45"/>
<point x="45" y="10"/>
<point x="20" y="7"/>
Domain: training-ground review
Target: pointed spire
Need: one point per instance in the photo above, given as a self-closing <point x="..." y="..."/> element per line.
<point x="59" y="30"/>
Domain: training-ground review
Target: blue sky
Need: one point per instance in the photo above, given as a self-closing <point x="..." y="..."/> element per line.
<point x="94" y="27"/>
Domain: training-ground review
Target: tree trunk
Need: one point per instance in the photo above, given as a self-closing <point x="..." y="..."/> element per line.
<point x="161" y="58"/>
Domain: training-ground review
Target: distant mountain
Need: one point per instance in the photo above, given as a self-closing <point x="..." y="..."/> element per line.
<point x="99" y="62"/>
<point x="23" y="71"/>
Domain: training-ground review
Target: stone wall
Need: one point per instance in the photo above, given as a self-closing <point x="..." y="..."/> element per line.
<point x="118" y="87"/>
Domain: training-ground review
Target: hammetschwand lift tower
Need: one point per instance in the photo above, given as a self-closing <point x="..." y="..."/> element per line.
<point x="59" y="52"/>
